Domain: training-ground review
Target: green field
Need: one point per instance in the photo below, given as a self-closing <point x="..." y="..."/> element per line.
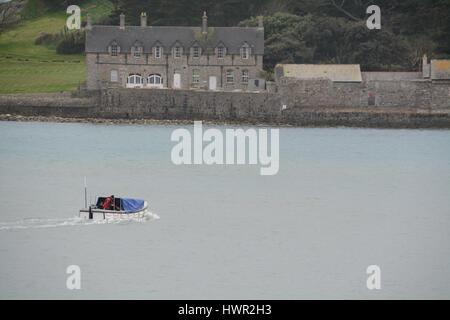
<point x="29" y="68"/>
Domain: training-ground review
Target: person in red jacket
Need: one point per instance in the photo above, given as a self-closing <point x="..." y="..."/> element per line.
<point x="109" y="203"/>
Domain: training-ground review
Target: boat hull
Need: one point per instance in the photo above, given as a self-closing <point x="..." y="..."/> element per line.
<point x="101" y="214"/>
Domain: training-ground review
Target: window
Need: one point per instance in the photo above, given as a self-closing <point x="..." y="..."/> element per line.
<point x="114" y="50"/>
<point x="196" y="52"/>
<point x="177" y="52"/>
<point x="155" y="80"/>
<point x="158" y="52"/>
<point x="220" y="52"/>
<point x="245" y="76"/>
<point x="137" y="52"/>
<point x="230" y="76"/>
<point x="195" y="76"/>
<point x="114" y="76"/>
<point x="134" y="81"/>
<point x="245" y="52"/>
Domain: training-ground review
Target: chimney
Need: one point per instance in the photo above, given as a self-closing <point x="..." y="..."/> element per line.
<point x="122" y="21"/>
<point x="204" y="24"/>
<point x="143" y="19"/>
<point x="261" y="22"/>
<point x="89" y="22"/>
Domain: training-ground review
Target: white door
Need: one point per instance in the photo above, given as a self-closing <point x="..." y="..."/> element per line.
<point x="212" y="83"/>
<point x="176" y="81"/>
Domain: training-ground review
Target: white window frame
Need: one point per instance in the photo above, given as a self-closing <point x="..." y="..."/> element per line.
<point x="220" y="52"/>
<point x="137" y="52"/>
<point x="245" y="76"/>
<point x="196" y="77"/>
<point x="155" y="80"/>
<point x="114" y="50"/>
<point x="245" y="52"/>
<point x="229" y="78"/>
<point x="196" y="52"/>
<point x="135" y="81"/>
<point x="177" y="52"/>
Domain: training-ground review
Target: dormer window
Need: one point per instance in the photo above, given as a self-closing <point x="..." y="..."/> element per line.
<point x="177" y="52"/>
<point x="114" y="50"/>
<point x="158" y="52"/>
<point x="137" y="52"/>
<point x="196" y="52"/>
<point x="245" y="52"/>
<point x="137" y="49"/>
<point x="220" y="52"/>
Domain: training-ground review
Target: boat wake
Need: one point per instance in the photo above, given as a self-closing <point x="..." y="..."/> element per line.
<point x="39" y="223"/>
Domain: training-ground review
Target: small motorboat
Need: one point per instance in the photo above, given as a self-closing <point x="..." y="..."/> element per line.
<point x="120" y="208"/>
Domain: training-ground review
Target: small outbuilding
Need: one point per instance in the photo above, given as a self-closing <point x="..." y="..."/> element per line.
<point x="440" y="69"/>
<point x="333" y="72"/>
<point x="257" y="84"/>
<point x="437" y="69"/>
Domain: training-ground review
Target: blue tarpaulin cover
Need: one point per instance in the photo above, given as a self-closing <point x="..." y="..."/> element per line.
<point x="132" y="205"/>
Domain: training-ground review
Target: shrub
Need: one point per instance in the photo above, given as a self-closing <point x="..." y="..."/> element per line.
<point x="72" y="43"/>
<point x="47" y="38"/>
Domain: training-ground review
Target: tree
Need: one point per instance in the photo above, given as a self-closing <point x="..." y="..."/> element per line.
<point x="317" y="31"/>
<point x="284" y="39"/>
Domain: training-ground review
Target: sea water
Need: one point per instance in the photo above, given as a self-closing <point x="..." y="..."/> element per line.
<point x="343" y="199"/>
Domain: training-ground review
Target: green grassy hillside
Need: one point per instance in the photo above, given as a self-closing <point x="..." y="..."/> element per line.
<point x="29" y="68"/>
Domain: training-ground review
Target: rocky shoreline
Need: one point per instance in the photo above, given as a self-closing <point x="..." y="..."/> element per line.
<point x="20" y="118"/>
<point x="335" y="119"/>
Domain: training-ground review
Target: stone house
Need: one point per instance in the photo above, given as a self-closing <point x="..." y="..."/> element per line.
<point x="213" y="58"/>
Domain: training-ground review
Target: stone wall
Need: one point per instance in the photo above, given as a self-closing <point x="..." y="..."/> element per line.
<point x="440" y="93"/>
<point x="189" y="104"/>
<point x="320" y="93"/>
<point x="367" y="76"/>
<point x="65" y="104"/>
<point x="418" y="94"/>
<point x="314" y="109"/>
<point x="409" y="104"/>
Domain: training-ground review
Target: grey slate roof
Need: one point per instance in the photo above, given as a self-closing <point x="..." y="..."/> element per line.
<point x="99" y="38"/>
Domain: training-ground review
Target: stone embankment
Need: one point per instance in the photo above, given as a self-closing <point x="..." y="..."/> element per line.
<point x="180" y="107"/>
